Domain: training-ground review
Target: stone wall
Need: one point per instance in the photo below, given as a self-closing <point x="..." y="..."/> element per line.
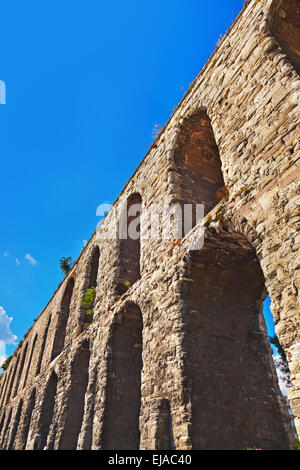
<point x="184" y="334"/>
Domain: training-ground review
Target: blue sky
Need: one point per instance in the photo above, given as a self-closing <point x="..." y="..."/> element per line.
<point x="86" y="82"/>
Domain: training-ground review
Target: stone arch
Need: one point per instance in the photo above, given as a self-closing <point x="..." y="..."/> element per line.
<point x="10" y="380"/>
<point x="226" y="334"/>
<point x="63" y="316"/>
<point x="284" y="24"/>
<point x="15" y="426"/>
<point x="123" y="389"/>
<point x="6" y="431"/>
<point x="2" y="422"/>
<point x="197" y="172"/>
<point x="3" y="385"/>
<point x="161" y="422"/>
<point x="94" y="266"/>
<point x="8" y="376"/>
<point x="41" y="353"/>
<point x="288" y="337"/>
<point x="27" y="419"/>
<point x="30" y="360"/>
<point x="86" y="314"/>
<point x="47" y="409"/>
<point x="15" y="385"/>
<point x="76" y="398"/>
<point x="129" y="269"/>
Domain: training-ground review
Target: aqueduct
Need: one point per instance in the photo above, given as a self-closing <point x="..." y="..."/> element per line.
<point x="176" y="354"/>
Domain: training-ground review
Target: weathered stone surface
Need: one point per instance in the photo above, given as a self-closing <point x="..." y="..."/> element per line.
<point x="176" y="354"/>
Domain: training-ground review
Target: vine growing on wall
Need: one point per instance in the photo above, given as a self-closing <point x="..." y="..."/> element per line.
<point x="88" y="300"/>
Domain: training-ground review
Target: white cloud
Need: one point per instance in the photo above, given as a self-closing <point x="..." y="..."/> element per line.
<point x="31" y="260"/>
<point x="280" y="374"/>
<point x="3" y="356"/>
<point x="5" y="253"/>
<point x="6" y="336"/>
<point x="2" y="359"/>
<point x="18" y="261"/>
<point x="2" y="353"/>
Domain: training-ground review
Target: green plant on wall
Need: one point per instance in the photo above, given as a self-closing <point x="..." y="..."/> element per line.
<point x="88" y="300"/>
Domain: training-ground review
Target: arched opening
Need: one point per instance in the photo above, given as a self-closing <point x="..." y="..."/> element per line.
<point x="27" y="419"/>
<point x="87" y="302"/>
<point x="2" y="422"/>
<point x="123" y="391"/>
<point x="3" y="385"/>
<point x="1" y="427"/>
<point x="30" y="360"/>
<point x="41" y="352"/>
<point x="15" y="426"/>
<point x="235" y="398"/>
<point x="15" y="385"/>
<point x="6" y="430"/>
<point x="76" y="400"/>
<point x="163" y="438"/>
<point x="130" y="244"/>
<point x="285" y="26"/>
<point x="63" y="315"/>
<point x="94" y="265"/>
<point x="47" y="411"/>
<point x="198" y="169"/>
<point x="8" y="373"/>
